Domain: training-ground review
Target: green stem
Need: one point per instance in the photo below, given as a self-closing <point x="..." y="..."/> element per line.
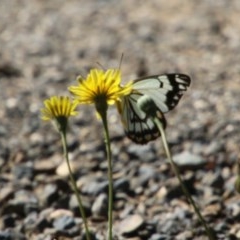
<point x="176" y="171"/>
<point x="74" y="185"/>
<point x="110" y="179"/>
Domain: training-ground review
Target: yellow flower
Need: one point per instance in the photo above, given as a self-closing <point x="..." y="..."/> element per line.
<point x="58" y="107"/>
<point x="101" y="88"/>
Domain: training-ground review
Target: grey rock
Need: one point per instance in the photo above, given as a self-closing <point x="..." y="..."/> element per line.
<point x="214" y="180"/>
<point x="100" y="205"/>
<point x="8" y="221"/>
<point x="187" y="160"/>
<point x="168" y="227"/>
<point x="29" y="221"/>
<point x="146" y="172"/>
<point x="24" y="170"/>
<point x="10" y="234"/>
<point x="95" y="188"/>
<point x="64" y="222"/>
<point x="159" y="236"/>
<point x="22" y="204"/>
<point x="186" y="235"/>
<point x="131" y="224"/>
<point x="50" y="193"/>
<point x="214" y="147"/>
<point x="145" y="152"/>
<point x="41" y="224"/>
<point x="121" y="184"/>
<point x="74" y="207"/>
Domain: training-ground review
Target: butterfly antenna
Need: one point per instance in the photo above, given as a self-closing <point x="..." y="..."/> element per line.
<point x="121" y="60"/>
<point x="101" y="66"/>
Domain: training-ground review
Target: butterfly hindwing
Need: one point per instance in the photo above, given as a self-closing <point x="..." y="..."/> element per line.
<point x="164" y="90"/>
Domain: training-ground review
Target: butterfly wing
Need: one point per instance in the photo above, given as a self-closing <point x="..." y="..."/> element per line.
<point x="165" y="91"/>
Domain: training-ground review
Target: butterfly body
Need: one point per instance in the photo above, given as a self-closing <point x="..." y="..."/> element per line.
<point x="165" y="90"/>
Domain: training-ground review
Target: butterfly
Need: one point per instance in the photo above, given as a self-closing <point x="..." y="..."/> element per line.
<point x="165" y="90"/>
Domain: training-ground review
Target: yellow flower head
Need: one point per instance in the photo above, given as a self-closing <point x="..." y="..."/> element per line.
<point x="59" y="109"/>
<point x="100" y="87"/>
<point x="56" y="107"/>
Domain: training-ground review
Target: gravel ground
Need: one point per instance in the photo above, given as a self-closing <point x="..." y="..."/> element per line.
<point x="45" y="45"/>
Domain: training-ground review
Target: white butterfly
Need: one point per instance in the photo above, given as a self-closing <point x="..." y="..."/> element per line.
<point x="165" y="90"/>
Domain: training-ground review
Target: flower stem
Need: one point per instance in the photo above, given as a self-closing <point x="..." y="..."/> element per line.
<point x="208" y="230"/>
<point x="74" y="185"/>
<point x="110" y="179"/>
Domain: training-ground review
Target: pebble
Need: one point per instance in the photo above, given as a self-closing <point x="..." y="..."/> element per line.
<point x="186" y="235"/>
<point x="74" y="207"/>
<point x="48" y="165"/>
<point x="62" y="169"/>
<point x="187" y="160"/>
<point x="11" y="235"/>
<point x="130" y="224"/>
<point x="64" y="222"/>
<point x="214" y="180"/>
<point x="22" y="204"/>
<point x="24" y="170"/>
<point x="121" y="185"/>
<point x="8" y="221"/>
<point x="54" y="214"/>
<point x="146" y="153"/>
<point x="212" y="211"/>
<point x="100" y="205"/>
<point x="159" y="236"/>
<point x="6" y="193"/>
<point x="145" y="173"/>
<point x="214" y="147"/>
<point x="50" y="194"/>
<point x="94" y="188"/>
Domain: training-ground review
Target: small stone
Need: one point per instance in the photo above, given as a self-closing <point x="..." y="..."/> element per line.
<point x="221" y="227"/>
<point x="131" y="224"/>
<point x="158" y="236"/>
<point x="234" y="209"/>
<point x="162" y="193"/>
<point x="63" y="171"/>
<point x="11" y="235"/>
<point x="64" y="222"/>
<point x="146" y="172"/>
<point x="186" y="235"/>
<point x="212" y="210"/>
<point x="59" y="213"/>
<point x="23" y="203"/>
<point x="24" y="170"/>
<point x="6" y="193"/>
<point x="214" y="180"/>
<point x="49" y="165"/>
<point x="8" y="221"/>
<point x="100" y="205"/>
<point x="214" y="147"/>
<point x="121" y="184"/>
<point x="50" y="194"/>
<point x="129" y="209"/>
<point x="42" y="224"/>
<point x="30" y="221"/>
<point x="94" y="187"/>
<point x="74" y="207"/>
<point x="168" y="226"/>
<point x="146" y="153"/>
<point x="187" y="160"/>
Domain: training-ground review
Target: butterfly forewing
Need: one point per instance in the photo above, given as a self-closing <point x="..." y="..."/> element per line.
<point x="165" y="91"/>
